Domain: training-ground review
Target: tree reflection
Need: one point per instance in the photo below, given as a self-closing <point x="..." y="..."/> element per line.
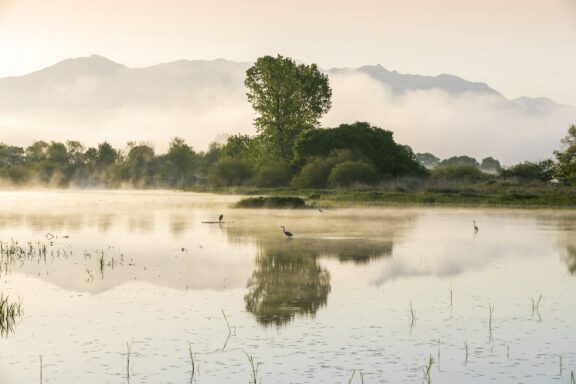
<point x="289" y="280"/>
<point x="286" y="281"/>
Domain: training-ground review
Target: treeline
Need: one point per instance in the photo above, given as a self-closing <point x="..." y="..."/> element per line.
<point x="349" y="154"/>
<point x="290" y="148"/>
<point x="561" y="168"/>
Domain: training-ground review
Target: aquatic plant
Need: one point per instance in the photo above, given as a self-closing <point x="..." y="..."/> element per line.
<point x="427" y="370"/>
<point x="10" y="313"/>
<point x="192" y="362"/>
<point x="254" y="367"/>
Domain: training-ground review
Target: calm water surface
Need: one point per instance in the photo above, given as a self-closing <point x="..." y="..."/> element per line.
<point x="142" y="268"/>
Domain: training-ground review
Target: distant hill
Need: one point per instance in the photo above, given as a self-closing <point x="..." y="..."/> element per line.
<point x="93" y="99"/>
<point x="401" y="83"/>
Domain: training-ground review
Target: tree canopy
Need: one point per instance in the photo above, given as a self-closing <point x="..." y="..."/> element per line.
<point x="374" y="144"/>
<point x="288" y="99"/>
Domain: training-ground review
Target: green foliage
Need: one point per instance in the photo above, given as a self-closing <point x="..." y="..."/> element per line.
<point x="541" y="171"/>
<point x="228" y="172"/>
<point x="427" y="160"/>
<point x="288" y="99"/>
<point x="314" y="174"/>
<point x="140" y="165"/>
<point x="178" y="164"/>
<point x="566" y="159"/>
<point x="490" y="165"/>
<point x="374" y="144"/>
<point x="353" y="172"/>
<point x="273" y="175"/>
<point x="459" y="160"/>
<point x="271" y="202"/>
<point x="458" y="172"/>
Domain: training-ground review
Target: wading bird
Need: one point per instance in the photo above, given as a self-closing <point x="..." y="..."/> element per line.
<point x="475" y="226"/>
<point x="220" y="218"/>
<point x="287" y="233"/>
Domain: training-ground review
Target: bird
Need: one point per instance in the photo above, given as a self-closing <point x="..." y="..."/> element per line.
<point x="320" y="210"/>
<point x="220" y="218"/>
<point x="287" y="233"/>
<point x="475" y="226"/>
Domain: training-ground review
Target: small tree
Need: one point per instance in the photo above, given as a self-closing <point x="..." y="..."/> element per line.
<point x="566" y="160"/>
<point x="490" y="165"/>
<point x="229" y="172"/>
<point x="352" y="172"/>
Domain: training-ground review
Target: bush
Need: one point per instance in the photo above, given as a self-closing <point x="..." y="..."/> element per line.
<point x="458" y="173"/>
<point x="528" y="170"/>
<point x="314" y="174"/>
<point x="351" y="172"/>
<point x="271" y="202"/>
<point x="273" y="175"/>
<point x="228" y="172"/>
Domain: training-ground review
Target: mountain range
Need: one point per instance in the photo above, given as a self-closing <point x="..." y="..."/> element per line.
<point x="95" y="99"/>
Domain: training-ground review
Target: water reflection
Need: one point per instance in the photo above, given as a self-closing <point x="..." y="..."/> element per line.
<point x="286" y="281"/>
<point x="570" y="259"/>
<point x="289" y="280"/>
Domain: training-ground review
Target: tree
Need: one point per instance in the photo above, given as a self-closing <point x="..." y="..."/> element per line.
<point x="351" y="172"/>
<point x="178" y="165"/>
<point x="566" y="159"/>
<point x="490" y="165"/>
<point x="374" y="144"/>
<point x="459" y="160"/>
<point x="428" y="160"/>
<point x="541" y="171"/>
<point x="288" y="99"/>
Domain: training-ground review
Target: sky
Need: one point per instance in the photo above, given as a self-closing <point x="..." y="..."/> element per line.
<point x="518" y="47"/>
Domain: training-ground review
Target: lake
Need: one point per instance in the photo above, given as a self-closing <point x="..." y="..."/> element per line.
<point x="362" y="294"/>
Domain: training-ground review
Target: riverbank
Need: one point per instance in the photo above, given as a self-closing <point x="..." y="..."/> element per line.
<point x="496" y="194"/>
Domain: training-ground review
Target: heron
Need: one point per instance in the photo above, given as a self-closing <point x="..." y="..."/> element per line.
<point x="475" y="226"/>
<point x="220" y="218"/>
<point x="287" y="233"/>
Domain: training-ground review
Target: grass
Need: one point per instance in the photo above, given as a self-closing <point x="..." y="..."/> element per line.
<point x="498" y="193"/>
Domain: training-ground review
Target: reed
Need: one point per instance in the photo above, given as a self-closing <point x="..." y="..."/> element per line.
<point x="128" y="356"/>
<point x="192" y="362"/>
<point x="40" y="357"/>
<point x="254" y="367"/>
<point x="352" y="377"/>
<point x="412" y="316"/>
<point x="427" y="370"/>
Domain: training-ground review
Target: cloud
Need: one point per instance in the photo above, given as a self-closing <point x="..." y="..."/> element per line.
<point x="434" y="121"/>
<point x="202" y="108"/>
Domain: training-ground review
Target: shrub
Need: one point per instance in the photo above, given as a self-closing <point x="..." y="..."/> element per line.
<point x="273" y="175"/>
<point x="271" y="202"/>
<point x="228" y="172"/>
<point x="528" y="170"/>
<point x="351" y="172"/>
<point x="458" y="173"/>
<point x="314" y="174"/>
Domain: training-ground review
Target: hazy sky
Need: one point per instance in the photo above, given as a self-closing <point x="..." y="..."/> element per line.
<point x="519" y="47"/>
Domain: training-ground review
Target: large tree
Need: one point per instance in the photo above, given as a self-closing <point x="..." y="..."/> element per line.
<point x="288" y="99"/>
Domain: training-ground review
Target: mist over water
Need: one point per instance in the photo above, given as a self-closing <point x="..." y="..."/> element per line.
<point x="141" y="267"/>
